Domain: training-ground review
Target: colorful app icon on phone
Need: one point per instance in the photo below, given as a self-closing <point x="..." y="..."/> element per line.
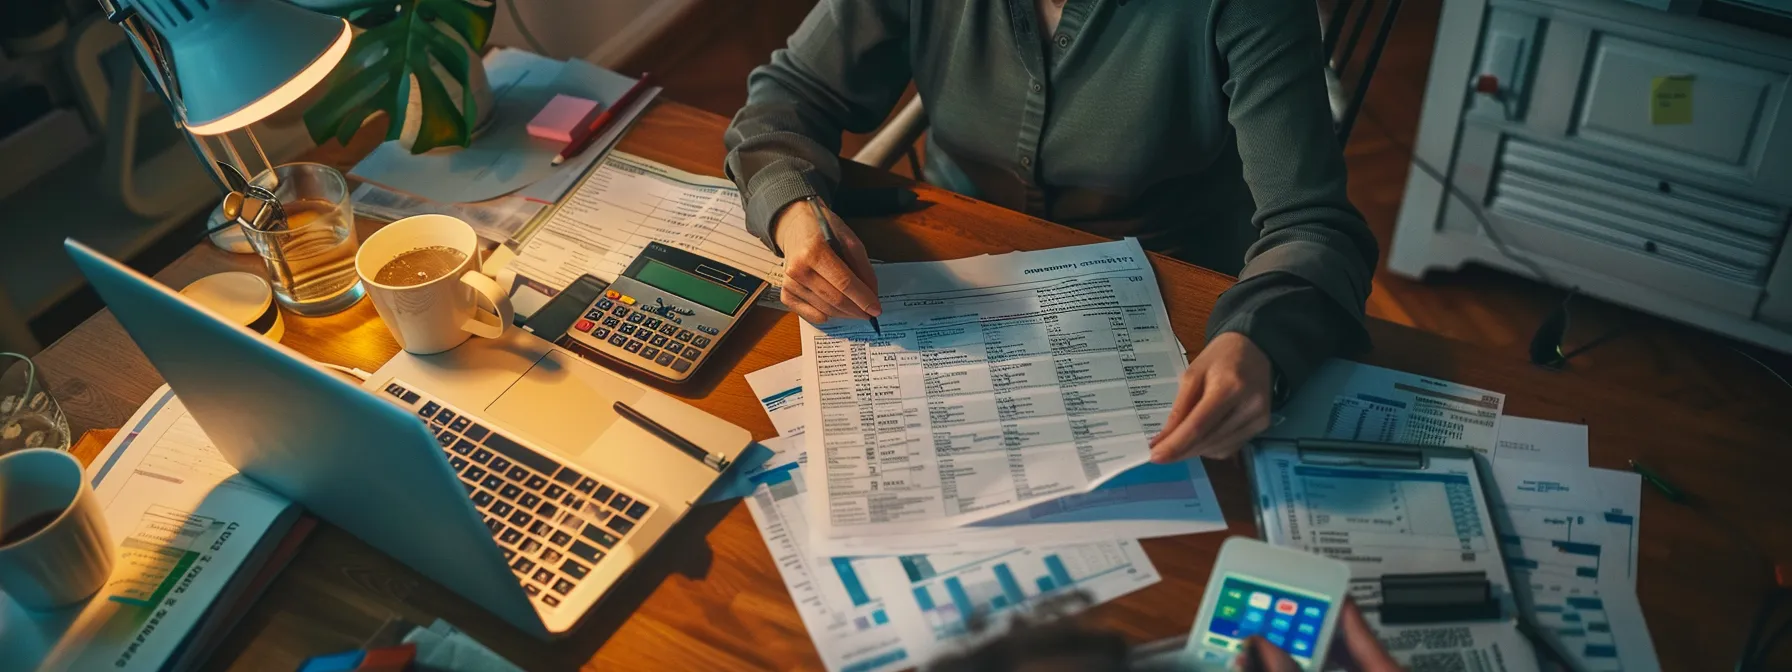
<point x="1286" y="606"/>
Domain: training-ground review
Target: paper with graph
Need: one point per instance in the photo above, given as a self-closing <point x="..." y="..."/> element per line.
<point x="996" y="383"/>
<point x="896" y="612"/>
<point x="183" y="521"/>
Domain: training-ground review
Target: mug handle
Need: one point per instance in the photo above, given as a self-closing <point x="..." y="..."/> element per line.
<point x="487" y="322"/>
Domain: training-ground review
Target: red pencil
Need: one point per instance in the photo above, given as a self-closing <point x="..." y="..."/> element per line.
<point x="582" y="137"/>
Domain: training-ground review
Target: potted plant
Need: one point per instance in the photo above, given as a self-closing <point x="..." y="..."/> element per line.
<point x="415" y="60"/>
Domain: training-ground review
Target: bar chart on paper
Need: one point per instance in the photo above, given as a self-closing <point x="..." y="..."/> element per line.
<point x="844" y="615"/>
<point x="952" y="590"/>
<point x="158" y="553"/>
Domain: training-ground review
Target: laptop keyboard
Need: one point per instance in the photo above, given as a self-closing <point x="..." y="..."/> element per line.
<point x="553" y="522"/>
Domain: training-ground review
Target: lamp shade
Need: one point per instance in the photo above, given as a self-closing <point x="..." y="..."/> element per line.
<point x="237" y="61"/>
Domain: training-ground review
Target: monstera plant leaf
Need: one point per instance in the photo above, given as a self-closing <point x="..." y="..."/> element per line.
<point x="405" y="44"/>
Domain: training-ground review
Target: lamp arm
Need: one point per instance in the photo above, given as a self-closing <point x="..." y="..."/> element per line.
<point x="152" y="60"/>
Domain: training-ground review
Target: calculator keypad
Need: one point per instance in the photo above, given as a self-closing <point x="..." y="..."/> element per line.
<point x="622" y="327"/>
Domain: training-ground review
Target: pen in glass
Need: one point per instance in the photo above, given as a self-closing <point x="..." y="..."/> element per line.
<point x="827" y="233"/>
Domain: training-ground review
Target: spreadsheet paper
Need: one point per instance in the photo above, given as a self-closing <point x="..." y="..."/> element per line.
<point x="624" y="204"/>
<point x="997" y="382"/>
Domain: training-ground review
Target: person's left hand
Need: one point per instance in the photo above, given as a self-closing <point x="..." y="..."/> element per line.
<point x="1223" y="402"/>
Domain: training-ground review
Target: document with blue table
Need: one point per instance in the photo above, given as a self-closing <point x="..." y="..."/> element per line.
<point x="1152" y="500"/>
<point x="1556" y="539"/>
<point x="997" y="383"/>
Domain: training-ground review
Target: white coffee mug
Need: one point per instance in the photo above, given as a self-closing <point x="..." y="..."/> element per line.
<point x="62" y="562"/>
<point x="442" y="313"/>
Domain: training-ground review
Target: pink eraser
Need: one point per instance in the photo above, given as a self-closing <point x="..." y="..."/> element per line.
<point x="557" y="120"/>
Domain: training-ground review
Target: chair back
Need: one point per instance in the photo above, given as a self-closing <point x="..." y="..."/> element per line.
<point x="1343" y="33"/>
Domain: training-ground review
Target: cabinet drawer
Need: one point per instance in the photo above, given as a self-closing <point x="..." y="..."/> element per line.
<point x="1734" y="107"/>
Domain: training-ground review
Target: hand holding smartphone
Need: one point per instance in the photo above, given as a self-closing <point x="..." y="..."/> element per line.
<point x="1289" y="598"/>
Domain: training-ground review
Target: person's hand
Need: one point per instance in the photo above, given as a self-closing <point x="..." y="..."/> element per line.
<point x="818" y="284"/>
<point x="1223" y="402"/>
<point x="1354" y="648"/>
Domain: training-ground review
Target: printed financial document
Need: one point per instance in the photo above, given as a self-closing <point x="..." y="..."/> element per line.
<point x="624" y="204"/>
<point x="1152" y="500"/>
<point x="892" y="613"/>
<point x="997" y="383"/>
<point x="1396" y="521"/>
<point x="1570" y="540"/>
<point x="1359" y="402"/>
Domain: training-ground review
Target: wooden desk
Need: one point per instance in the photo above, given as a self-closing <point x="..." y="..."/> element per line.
<point x="712" y="599"/>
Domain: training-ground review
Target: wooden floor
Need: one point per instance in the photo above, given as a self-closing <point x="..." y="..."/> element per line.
<point x="720" y="41"/>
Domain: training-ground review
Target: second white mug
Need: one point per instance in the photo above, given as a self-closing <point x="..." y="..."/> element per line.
<point x="442" y="312"/>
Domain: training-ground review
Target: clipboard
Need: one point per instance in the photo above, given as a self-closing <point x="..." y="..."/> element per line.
<point x="1414" y="523"/>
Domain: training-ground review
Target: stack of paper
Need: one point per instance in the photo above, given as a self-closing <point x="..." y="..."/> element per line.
<point x="1567" y="534"/>
<point x="1074" y="367"/>
<point x="193" y="538"/>
<point x="623" y="204"/>
<point x="1570" y="543"/>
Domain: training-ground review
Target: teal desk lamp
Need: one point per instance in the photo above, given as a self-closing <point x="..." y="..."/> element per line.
<point x="222" y="65"/>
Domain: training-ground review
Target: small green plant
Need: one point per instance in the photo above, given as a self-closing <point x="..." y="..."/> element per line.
<point x="404" y="44"/>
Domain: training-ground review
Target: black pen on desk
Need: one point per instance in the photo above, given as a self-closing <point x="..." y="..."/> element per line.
<point x="1660" y="484"/>
<point x="827" y="234"/>
<point x="716" y="461"/>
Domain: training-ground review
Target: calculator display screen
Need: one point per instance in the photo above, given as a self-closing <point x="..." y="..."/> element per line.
<point x="714" y="296"/>
<point x="1288" y="617"/>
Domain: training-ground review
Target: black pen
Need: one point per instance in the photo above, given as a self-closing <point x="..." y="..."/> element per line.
<point x="716" y="461"/>
<point x="1661" y="484"/>
<point x="827" y="233"/>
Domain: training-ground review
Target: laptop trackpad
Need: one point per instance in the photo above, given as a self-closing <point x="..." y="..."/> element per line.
<point x="563" y="402"/>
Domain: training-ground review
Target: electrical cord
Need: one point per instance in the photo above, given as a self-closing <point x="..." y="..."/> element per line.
<point x="1546" y="342"/>
<point x="351" y="372"/>
<point x="517" y="18"/>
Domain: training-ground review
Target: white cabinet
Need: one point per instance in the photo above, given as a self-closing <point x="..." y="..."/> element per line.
<point x="1644" y="157"/>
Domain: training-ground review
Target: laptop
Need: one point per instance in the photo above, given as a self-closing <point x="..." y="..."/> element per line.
<point x="498" y="468"/>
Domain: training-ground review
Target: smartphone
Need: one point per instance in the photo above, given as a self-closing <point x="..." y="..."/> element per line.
<point x="1290" y="598"/>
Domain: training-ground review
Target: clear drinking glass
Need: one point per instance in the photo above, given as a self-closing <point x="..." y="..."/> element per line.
<point x="311" y="261"/>
<point x="29" y="416"/>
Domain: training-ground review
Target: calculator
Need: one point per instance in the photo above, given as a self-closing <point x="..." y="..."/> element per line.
<point x="666" y="313"/>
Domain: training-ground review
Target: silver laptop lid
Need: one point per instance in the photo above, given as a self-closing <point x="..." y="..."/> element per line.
<point x="352" y="459"/>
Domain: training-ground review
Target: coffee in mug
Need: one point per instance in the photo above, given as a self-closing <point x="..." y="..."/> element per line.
<point x="31" y="525"/>
<point x="55" y="548"/>
<point x="424" y="275"/>
<point x="420" y="266"/>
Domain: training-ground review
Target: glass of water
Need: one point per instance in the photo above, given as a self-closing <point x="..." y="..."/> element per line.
<point x="29" y="416"/>
<point x="311" y="259"/>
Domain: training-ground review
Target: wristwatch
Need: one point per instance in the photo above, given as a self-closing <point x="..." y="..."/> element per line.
<point x="1279" y="389"/>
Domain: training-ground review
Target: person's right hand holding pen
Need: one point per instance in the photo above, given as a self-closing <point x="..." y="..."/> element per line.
<point x="818" y="282"/>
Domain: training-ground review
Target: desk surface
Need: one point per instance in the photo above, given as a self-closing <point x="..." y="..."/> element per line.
<point x="712" y="599"/>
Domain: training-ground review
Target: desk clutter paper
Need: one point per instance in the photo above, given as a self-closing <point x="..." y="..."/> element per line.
<point x="1559" y="538"/>
<point x="869" y="614"/>
<point x="1075" y="359"/>
<point x="996" y="383"/>
<point x="190" y="534"/>
<point x="503" y="158"/>
<point x="1152" y="500"/>
<point x="625" y="203"/>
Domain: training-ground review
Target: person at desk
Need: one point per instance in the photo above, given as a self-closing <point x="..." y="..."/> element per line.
<point x="1201" y="127"/>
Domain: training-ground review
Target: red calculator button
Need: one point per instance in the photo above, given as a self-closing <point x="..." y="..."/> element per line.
<point x="583" y="325"/>
<point x="612" y="294"/>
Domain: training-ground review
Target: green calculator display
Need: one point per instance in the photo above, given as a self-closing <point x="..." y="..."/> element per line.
<point x="666" y="313"/>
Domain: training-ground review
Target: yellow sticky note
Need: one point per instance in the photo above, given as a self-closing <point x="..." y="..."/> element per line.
<point x="1670" y="100"/>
